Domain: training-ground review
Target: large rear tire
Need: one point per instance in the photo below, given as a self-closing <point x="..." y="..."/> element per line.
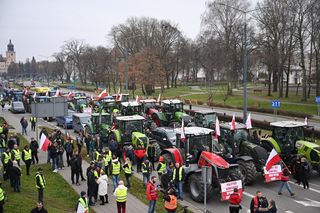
<point x="196" y="188"/>
<point x="248" y="170"/>
<point x="235" y="174"/>
<point x="158" y="150"/>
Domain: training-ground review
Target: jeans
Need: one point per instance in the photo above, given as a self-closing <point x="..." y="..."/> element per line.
<point x="54" y="163"/>
<point x="40" y="195"/>
<point x="16" y="185"/>
<point x="35" y="158"/>
<point x="128" y="179"/>
<point x="115" y="181"/>
<point x="286" y="184"/>
<point x="180" y="189"/>
<point x="146" y="178"/>
<point x="24" y="131"/>
<point x="60" y="161"/>
<point x="152" y="204"/>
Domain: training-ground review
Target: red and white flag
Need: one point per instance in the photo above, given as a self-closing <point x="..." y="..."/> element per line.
<point x="70" y="95"/>
<point x="248" y="122"/>
<point x="44" y="142"/>
<point x="81" y="209"/>
<point x="34" y="95"/>
<point x="120" y="97"/>
<point x="57" y="93"/>
<point x="183" y="136"/>
<point x="137" y="99"/>
<point x="159" y="98"/>
<point x="273" y="159"/>
<point x="103" y="94"/>
<point x="217" y="128"/>
<point x="26" y="92"/>
<point x="233" y="122"/>
<point x="68" y="136"/>
<point x="47" y="93"/>
<point x="306" y="121"/>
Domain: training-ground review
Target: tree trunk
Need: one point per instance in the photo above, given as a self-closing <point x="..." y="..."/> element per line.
<point x="317" y="75"/>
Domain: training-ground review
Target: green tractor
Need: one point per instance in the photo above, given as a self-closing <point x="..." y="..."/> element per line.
<point x="78" y="104"/>
<point x="173" y="113"/>
<point x="130" y="108"/>
<point x="205" y="118"/>
<point x="129" y="131"/>
<point x="100" y="124"/>
<point x="237" y="148"/>
<point x="288" y="139"/>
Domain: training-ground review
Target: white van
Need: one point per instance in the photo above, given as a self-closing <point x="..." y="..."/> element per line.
<point x="79" y="121"/>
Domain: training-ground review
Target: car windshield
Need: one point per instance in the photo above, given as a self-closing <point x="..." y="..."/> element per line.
<point x="241" y="135"/>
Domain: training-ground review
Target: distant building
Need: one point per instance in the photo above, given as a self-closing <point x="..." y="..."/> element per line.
<point x="10" y="58"/>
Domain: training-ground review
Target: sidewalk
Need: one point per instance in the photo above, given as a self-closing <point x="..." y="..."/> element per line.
<point x="133" y="204"/>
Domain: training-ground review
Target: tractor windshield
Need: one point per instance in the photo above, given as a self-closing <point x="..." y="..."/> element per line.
<point x="293" y="134"/>
<point x="81" y="101"/>
<point x="241" y="135"/>
<point x="200" y="142"/>
<point x="210" y="118"/>
<point x="133" y="125"/>
<point x="105" y="119"/>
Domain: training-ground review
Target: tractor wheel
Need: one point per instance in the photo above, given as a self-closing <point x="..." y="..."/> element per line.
<point x="248" y="170"/>
<point x="235" y="174"/>
<point x="196" y="188"/>
<point x="158" y="150"/>
<point x="167" y="158"/>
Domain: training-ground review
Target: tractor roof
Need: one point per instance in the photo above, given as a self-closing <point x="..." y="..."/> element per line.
<point x="108" y="100"/>
<point x="194" y="130"/>
<point x="227" y="125"/>
<point x="205" y="111"/>
<point x="80" y="97"/>
<point x="129" y="118"/>
<point x="82" y="115"/>
<point x="102" y="114"/>
<point x="148" y="101"/>
<point x="130" y="103"/>
<point x="172" y="101"/>
<point x="287" y="124"/>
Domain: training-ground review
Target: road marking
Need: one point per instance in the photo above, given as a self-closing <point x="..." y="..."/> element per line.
<point x="309" y="202"/>
<point x="288" y="211"/>
<point x="312" y="184"/>
<point x="311" y="189"/>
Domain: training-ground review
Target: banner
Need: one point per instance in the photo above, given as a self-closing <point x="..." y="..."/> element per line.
<point x="273" y="174"/>
<point x="227" y="189"/>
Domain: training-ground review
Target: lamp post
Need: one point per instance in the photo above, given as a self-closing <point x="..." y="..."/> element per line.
<point x="245" y="58"/>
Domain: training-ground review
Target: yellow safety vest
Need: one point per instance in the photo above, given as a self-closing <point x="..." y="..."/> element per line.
<point x="1" y="194"/>
<point x="163" y="167"/>
<point x="33" y="119"/>
<point x="1" y="129"/>
<point x="84" y="203"/>
<point x="2" y="143"/>
<point x="16" y="153"/>
<point x="97" y="155"/>
<point x="107" y="158"/>
<point x="96" y="174"/>
<point x="115" y="168"/>
<point x="128" y="169"/>
<point x="27" y="154"/>
<point x="7" y="157"/>
<point x="143" y="168"/>
<point x="121" y="195"/>
<point x="180" y="174"/>
<point x="42" y="181"/>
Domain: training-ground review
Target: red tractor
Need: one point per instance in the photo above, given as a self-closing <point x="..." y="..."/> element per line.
<point x="197" y="151"/>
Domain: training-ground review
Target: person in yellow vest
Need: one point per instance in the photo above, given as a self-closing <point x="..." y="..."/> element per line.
<point x="83" y="202"/>
<point x="2" y="198"/>
<point x="33" y="121"/>
<point x="161" y="168"/>
<point x="27" y="158"/>
<point x="40" y="184"/>
<point x="178" y="178"/>
<point x="6" y="160"/>
<point x="121" y="197"/>
<point x="107" y="158"/>
<point x="146" y="171"/>
<point x="127" y="167"/>
<point x="115" y="172"/>
<point x="16" y="153"/>
<point x="170" y="202"/>
<point x="3" y="144"/>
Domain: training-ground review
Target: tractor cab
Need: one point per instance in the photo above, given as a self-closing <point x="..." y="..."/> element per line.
<point x="174" y="112"/>
<point x="205" y="118"/>
<point x="100" y="124"/>
<point x="148" y="104"/>
<point x="124" y="97"/>
<point x="79" y="103"/>
<point x="130" y="108"/>
<point x="109" y="105"/>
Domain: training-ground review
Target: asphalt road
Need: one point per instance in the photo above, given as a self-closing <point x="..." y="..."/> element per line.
<point x="306" y="201"/>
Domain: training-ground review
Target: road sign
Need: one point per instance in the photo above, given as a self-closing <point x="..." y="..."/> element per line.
<point x="317" y="99"/>
<point x="275" y="104"/>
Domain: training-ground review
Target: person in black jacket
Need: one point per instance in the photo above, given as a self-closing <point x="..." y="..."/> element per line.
<point x="304" y="172"/>
<point x="34" y="146"/>
<point x="272" y="207"/>
<point x="69" y="150"/>
<point x="39" y="208"/>
<point x="75" y="169"/>
<point x="92" y="184"/>
<point x="15" y="173"/>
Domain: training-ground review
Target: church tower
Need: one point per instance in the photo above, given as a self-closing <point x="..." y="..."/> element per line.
<point x="10" y="54"/>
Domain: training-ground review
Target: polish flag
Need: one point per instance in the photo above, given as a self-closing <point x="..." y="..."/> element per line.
<point x="57" y="93"/>
<point x="233" y="122"/>
<point x="68" y="136"/>
<point x="137" y="99"/>
<point x="103" y="94"/>
<point x="159" y="98"/>
<point x="34" y="95"/>
<point x="26" y="92"/>
<point x="120" y="97"/>
<point x="217" y="128"/>
<point x="306" y="121"/>
<point x="70" y="95"/>
<point x="47" y="93"/>
<point x="273" y="159"/>
<point x="44" y="142"/>
<point x="248" y="122"/>
<point x="183" y="136"/>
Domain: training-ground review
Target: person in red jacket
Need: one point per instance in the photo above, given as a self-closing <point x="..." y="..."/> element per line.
<point x="140" y="154"/>
<point x="235" y="201"/>
<point x="151" y="192"/>
<point x="284" y="182"/>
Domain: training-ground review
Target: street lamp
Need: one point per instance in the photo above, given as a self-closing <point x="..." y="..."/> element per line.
<point x="245" y="58"/>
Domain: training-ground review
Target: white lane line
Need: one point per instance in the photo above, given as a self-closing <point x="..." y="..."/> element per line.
<point x="311" y="189"/>
<point x="288" y="211"/>
<point x="312" y="184"/>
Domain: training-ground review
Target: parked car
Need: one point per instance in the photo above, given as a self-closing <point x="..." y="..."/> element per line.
<point x="17" y="107"/>
<point x="165" y="136"/>
<point x="65" y="121"/>
<point x="80" y="121"/>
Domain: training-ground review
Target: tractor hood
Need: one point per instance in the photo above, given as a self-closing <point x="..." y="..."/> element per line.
<point x="180" y="115"/>
<point x="211" y="159"/>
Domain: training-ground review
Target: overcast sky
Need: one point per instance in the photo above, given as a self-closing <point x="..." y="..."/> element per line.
<point x="39" y="27"/>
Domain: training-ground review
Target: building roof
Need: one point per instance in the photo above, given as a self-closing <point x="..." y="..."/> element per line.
<point x="287" y="124"/>
<point x="130" y="118"/>
<point x="194" y="130"/>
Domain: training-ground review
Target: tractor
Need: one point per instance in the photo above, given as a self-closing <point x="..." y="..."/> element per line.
<point x="288" y="139"/>
<point x="124" y="97"/>
<point x="205" y="118"/>
<point x="173" y="113"/>
<point x="109" y="105"/>
<point x="100" y="124"/>
<point x="237" y="148"/>
<point x="150" y="111"/>
<point x="130" y="108"/>
<point x="196" y="151"/>
<point x="78" y="104"/>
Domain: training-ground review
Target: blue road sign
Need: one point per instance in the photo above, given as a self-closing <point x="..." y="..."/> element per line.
<point x="275" y="104"/>
<point x="317" y="99"/>
<point x="71" y="87"/>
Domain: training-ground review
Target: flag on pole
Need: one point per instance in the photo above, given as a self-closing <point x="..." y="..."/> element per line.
<point x="306" y="121"/>
<point x="120" y="97"/>
<point x="248" y="122"/>
<point x="103" y="94"/>
<point x="34" y="95"/>
<point x="273" y="159"/>
<point x="44" y="142"/>
<point x="159" y="98"/>
<point x="183" y="136"/>
<point x="57" y="93"/>
<point x="217" y="128"/>
<point x="81" y="209"/>
<point x="233" y="122"/>
<point x="68" y="136"/>
<point x="137" y="99"/>
<point x="26" y="91"/>
<point x="47" y="93"/>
